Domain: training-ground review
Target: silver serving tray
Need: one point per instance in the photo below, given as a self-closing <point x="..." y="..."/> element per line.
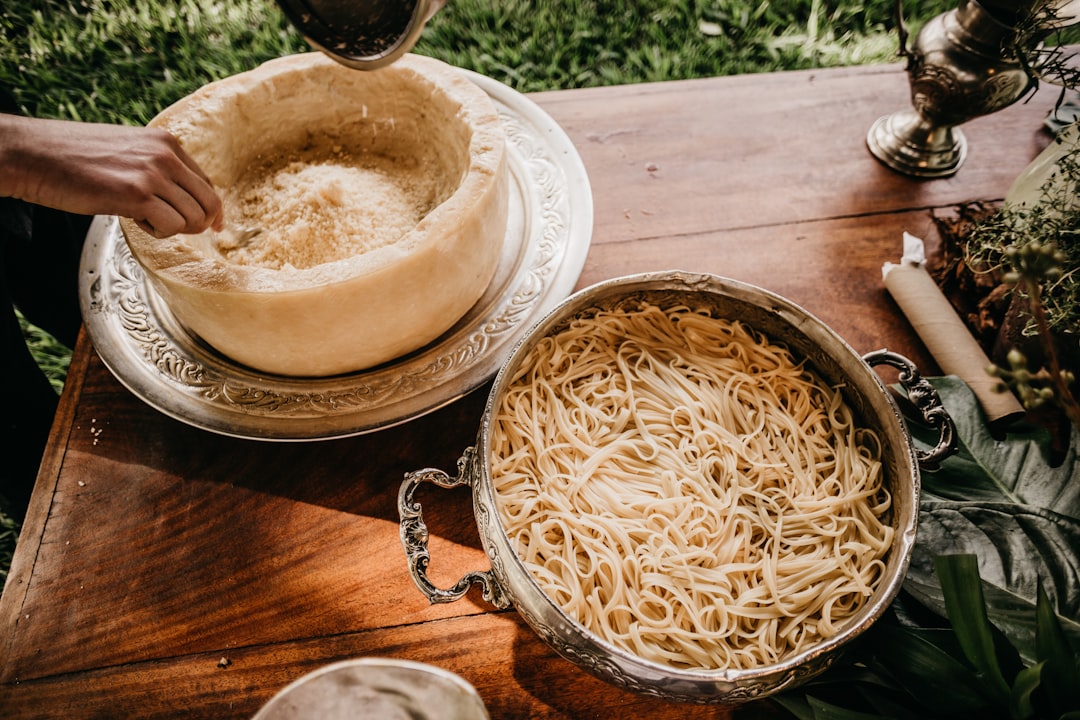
<point x="174" y="371"/>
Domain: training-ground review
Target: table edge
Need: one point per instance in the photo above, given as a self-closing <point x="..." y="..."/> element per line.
<point x="37" y="513"/>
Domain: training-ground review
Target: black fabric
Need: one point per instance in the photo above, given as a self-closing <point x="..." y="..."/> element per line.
<point x="39" y="265"/>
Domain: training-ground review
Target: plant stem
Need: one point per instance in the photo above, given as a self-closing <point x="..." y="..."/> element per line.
<point x="1038" y="312"/>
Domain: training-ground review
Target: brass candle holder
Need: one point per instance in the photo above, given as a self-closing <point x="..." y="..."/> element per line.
<point x="962" y="65"/>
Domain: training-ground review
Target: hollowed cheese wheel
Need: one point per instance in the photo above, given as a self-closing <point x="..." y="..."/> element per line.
<point x="382" y="197"/>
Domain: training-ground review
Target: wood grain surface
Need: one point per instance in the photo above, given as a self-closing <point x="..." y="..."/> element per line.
<point x="164" y="571"/>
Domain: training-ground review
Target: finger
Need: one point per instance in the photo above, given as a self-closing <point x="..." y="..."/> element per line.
<point x="178" y="211"/>
<point x="191" y="164"/>
<point x="164" y="217"/>
<point x="162" y="223"/>
<point x="204" y="195"/>
<point x="199" y="186"/>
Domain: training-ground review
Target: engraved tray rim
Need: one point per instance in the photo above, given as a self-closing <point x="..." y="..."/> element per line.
<point x="175" y="372"/>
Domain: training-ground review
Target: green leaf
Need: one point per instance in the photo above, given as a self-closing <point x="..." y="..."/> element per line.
<point x="1060" y="685"/>
<point x="999" y="499"/>
<point x="796" y="704"/>
<point x="1018" y="547"/>
<point x="888" y="707"/>
<point x="828" y="711"/>
<point x="1027" y="682"/>
<point x="1012" y="469"/>
<point x="934" y="677"/>
<point x="856" y="687"/>
<point x="959" y="576"/>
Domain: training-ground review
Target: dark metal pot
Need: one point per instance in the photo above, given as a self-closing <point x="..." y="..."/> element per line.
<point x="362" y="34"/>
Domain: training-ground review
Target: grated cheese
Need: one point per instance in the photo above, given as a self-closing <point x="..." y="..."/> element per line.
<point x="326" y="204"/>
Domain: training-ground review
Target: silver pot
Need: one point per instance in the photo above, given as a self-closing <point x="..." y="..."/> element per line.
<point x="509" y="581"/>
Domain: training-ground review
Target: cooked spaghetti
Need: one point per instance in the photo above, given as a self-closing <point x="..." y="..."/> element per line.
<point x="687" y="490"/>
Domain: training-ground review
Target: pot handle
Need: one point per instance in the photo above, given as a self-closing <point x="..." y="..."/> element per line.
<point x="414" y="537"/>
<point x="923" y="395"/>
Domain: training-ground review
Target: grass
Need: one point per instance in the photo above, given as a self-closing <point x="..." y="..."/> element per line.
<point x="122" y="61"/>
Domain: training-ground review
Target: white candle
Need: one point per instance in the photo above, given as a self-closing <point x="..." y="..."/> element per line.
<point x="944" y="333"/>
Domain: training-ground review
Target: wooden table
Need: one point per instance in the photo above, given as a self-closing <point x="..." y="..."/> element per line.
<point x="165" y="571"/>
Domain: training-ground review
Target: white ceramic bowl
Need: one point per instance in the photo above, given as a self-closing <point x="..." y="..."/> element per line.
<point x="376" y="689"/>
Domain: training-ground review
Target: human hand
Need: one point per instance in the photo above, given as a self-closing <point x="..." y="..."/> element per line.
<point x="100" y="169"/>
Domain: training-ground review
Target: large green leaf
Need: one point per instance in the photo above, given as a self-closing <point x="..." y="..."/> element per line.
<point x="1000" y="500"/>
<point x="1027" y="682"/>
<point x="1061" y="674"/>
<point x="1017" y="547"/>
<point x="959" y="578"/>
<point x="1012" y="469"/>
<point x="919" y="659"/>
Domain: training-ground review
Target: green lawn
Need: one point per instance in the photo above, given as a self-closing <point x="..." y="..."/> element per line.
<point x="123" y="60"/>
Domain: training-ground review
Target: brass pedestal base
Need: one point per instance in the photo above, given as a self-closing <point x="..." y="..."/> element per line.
<point x="908" y="144"/>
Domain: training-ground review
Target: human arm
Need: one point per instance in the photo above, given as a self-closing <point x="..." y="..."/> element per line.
<point x="101" y="169"/>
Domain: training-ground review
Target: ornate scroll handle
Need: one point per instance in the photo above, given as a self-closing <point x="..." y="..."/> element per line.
<point x="414" y="537"/>
<point x="923" y="395"/>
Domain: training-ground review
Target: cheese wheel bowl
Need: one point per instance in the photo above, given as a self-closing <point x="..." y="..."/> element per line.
<point x="382" y="199"/>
